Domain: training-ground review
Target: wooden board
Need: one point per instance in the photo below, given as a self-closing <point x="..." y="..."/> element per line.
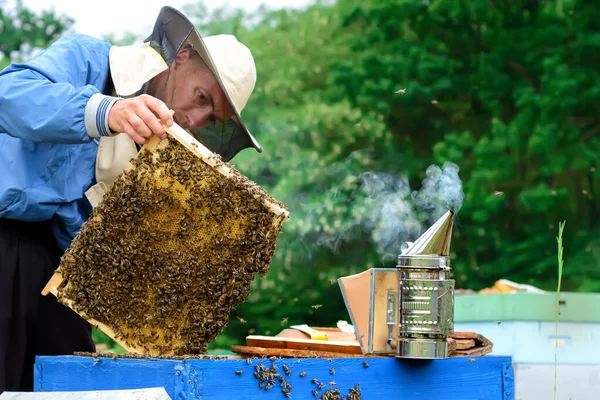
<point x="303" y="344"/>
<point x="293" y="343"/>
<point x="253" y="351"/>
<point x="465" y="344"/>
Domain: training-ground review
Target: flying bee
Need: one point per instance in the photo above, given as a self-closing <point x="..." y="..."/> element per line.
<point x="332" y="371"/>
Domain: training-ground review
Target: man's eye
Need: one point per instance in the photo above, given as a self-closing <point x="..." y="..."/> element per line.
<point x="202" y="97"/>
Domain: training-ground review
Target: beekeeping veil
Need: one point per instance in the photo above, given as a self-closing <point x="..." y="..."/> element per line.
<point x="230" y="62"/>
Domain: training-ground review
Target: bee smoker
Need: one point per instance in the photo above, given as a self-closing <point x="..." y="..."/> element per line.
<point x="425" y="309"/>
<point x="407" y="311"/>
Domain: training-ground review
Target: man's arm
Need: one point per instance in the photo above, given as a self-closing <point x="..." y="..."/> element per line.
<point x="55" y="96"/>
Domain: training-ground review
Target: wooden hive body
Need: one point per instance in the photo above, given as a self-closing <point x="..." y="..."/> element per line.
<point x="173" y="246"/>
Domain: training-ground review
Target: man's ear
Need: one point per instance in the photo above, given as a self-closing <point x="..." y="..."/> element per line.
<point x="182" y="57"/>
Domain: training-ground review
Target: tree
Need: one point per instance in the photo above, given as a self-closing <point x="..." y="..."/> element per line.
<point x="22" y="31"/>
<point x="362" y="103"/>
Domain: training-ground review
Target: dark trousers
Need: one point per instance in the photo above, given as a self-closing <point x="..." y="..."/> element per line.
<point x="32" y="324"/>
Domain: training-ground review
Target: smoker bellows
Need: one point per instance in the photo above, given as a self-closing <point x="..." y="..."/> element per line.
<point x="174" y="245"/>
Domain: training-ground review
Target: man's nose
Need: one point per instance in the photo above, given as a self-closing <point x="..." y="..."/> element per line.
<point x="199" y="118"/>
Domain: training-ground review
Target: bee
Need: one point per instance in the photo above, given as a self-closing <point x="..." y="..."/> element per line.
<point x="317" y="306"/>
<point x="365" y="364"/>
<point x="284" y="321"/>
<point x="315" y="393"/>
<point x="273" y="358"/>
<point x="332" y="383"/>
<point x="303" y="374"/>
<point x="238" y="372"/>
<point x="314" y="380"/>
<point x="332" y="371"/>
<point x="471" y="360"/>
<point x="248" y="361"/>
<point x="321" y="385"/>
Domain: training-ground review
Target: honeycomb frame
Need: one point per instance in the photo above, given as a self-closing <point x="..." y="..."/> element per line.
<point x="170" y="250"/>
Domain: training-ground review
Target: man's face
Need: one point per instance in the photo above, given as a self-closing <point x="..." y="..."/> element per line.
<point x="193" y="93"/>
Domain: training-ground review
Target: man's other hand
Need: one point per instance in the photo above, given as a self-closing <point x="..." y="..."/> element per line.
<point x="140" y="118"/>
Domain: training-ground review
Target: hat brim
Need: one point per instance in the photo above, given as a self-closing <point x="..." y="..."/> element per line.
<point x="171" y="32"/>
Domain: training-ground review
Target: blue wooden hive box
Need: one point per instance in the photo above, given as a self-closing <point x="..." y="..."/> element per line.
<point x="458" y="378"/>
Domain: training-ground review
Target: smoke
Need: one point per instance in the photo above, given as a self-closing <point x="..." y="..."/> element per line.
<point x="395" y="210"/>
<point x="441" y="191"/>
<point x="381" y="207"/>
<point x="390" y="216"/>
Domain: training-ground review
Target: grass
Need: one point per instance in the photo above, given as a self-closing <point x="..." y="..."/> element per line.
<point x="561" y="227"/>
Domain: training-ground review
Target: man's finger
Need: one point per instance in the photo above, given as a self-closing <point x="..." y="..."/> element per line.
<point x="150" y="120"/>
<point x="160" y="109"/>
<point x="139" y="126"/>
<point x="132" y="133"/>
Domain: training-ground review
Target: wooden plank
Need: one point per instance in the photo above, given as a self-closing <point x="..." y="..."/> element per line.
<point x="477" y="351"/>
<point x="303" y="344"/>
<point x="451" y="346"/>
<point x="382" y="377"/>
<point x="463" y="344"/>
<point x="292" y="353"/>
<point x="254" y="351"/>
<point x="53" y="284"/>
<point x="290" y="339"/>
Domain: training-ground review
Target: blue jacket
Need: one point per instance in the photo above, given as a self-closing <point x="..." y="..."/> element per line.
<point x="47" y="156"/>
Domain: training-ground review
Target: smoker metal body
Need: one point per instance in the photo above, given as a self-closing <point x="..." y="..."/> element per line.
<point x="407" y="311"/>
<point x="425" y="307"/>
<point x="426" y="294"/>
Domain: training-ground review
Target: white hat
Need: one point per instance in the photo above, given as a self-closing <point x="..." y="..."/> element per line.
<point x="230" y="61"/>
<point x="235" y="66"/>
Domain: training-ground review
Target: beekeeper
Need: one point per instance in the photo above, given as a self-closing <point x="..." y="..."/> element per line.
<point x="70" y="121"/>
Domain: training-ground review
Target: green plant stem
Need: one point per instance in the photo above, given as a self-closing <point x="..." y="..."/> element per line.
<point x="561" y="227"/>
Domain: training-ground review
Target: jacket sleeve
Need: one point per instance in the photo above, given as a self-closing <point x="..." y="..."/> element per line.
<point x="56" y="97"/>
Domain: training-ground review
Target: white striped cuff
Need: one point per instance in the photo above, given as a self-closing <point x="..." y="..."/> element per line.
<point x="96" y="115"/>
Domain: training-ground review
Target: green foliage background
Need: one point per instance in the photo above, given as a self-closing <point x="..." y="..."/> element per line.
<point x="508" y="91"/>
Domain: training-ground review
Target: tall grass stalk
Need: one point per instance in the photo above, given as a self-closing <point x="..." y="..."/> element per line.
<point x="561" y="227"/>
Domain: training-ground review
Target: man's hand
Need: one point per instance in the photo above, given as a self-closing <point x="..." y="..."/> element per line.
<point x="140" y="118"/>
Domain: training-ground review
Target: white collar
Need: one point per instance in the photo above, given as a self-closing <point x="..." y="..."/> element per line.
<point x="132" y="66"/>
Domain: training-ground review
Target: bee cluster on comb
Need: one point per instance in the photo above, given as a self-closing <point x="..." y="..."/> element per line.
<point x="171" y="249"/>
